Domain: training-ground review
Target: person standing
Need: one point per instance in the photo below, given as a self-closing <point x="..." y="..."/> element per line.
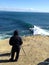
<point x="16" y="42"/>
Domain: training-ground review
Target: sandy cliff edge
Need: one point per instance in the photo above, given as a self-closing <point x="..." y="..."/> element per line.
<point x="36" y="49"/>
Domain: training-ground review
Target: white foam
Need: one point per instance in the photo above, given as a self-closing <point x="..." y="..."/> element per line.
<point x="2" y="36"/>
<point x="37" y="30"/>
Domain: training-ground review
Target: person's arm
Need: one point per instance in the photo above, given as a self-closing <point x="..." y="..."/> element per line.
<point x="10" y="41"/>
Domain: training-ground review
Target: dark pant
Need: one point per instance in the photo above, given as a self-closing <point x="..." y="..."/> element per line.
<point x="14" y="50"/>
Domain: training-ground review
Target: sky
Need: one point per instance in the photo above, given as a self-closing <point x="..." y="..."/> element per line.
<point x="25" y="5"/>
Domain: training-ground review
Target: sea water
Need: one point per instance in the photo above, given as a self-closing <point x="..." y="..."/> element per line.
<point x="23" y="21"/>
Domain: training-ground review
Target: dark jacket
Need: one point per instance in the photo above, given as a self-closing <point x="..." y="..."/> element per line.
<point x="15" y="41"/>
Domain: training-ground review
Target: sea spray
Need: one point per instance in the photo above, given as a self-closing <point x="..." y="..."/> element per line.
<point x="39" y="31"/>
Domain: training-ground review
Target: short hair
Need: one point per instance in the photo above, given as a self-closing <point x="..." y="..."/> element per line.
<point x="15" y="32"/>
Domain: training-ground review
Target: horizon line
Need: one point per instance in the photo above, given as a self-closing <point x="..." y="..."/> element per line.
<point x="22" y="11"/>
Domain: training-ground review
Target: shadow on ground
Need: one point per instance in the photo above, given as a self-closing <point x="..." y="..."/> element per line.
<point x="4" y="61"/>
<point x="5" y="54"/>
<point x="45" y="62"/>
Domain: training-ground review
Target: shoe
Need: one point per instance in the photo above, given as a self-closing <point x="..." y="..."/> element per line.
<point x="10" y="59"/>
<point x="16" y="60"/>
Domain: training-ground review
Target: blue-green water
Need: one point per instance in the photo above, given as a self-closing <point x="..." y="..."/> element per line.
<point x="22" y="21"/>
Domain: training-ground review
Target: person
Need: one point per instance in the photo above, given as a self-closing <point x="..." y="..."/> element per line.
<point x="16" y="42"/>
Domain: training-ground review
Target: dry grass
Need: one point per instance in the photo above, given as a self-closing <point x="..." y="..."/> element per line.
<point x="34" y="50"/>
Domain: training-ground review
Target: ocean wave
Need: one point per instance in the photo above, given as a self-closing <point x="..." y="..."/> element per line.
<point x="13" y="21"/>
<point x="36" y="30"/>
<point x="39" y="31"/>
<point x="3" y="36"/>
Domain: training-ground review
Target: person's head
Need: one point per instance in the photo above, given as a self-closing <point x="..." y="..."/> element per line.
<point x="15" y="32"/>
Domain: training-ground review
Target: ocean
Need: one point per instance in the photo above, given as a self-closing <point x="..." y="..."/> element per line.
<point x="24" y="22"/>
